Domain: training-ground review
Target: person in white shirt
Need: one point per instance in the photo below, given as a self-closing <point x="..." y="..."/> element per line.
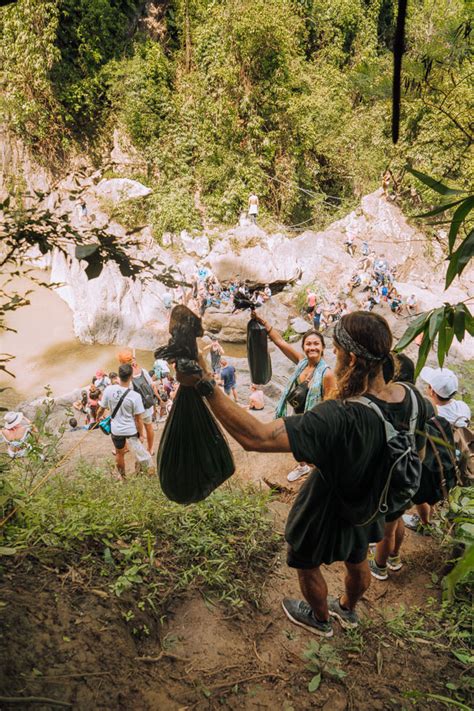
<point x="443" y="384"/>
<point x="127" y="425"/>
<point x="253" y="208"/>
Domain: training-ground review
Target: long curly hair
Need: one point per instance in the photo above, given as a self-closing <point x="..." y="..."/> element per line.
<point x="373" y="332"/>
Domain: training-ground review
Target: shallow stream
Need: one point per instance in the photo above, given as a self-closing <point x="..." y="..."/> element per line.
<point x="47" y="353"/>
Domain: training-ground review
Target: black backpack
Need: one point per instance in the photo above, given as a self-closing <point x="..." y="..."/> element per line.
<point x="144" y="389"/>
<point x="440" y="470"/>
<point x="403" y="465"/>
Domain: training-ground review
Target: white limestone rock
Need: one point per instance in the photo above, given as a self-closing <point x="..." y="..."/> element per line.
<point x="118" y="189"/>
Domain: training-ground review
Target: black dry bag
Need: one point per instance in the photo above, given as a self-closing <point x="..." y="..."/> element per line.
<point x="260" y="364"/>
<point x="193" y="457"/>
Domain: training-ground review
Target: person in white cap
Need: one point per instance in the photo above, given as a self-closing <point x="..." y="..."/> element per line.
<point x="443" y="384"/>
<point x="15" y="433"/>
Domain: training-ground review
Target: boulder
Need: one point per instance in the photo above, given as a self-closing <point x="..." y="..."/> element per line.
<point x="194" y="245"/>
<point x="118" y="189"/>
<point x="232" y="326"/>
<point x="112" y="308"/>
<point x="300" y="325"/>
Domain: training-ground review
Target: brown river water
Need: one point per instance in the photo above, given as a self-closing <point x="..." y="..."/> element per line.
<point x="47" y="354"/>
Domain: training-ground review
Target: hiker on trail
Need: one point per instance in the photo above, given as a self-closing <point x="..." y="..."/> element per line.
<point x="228" y="378"/>
<point x="17" y="433"/>
<point x="253" y="208"/>
<point x="216" y="352"/>
<point x="443" y="385"/>
<point x="347" y="443"/>
<point x="386" y="555"/>
<point x="311" y="382"/>
<point x="144" y="386"/>
<point x="127" y="424"/>
<point x="311" y="297"/>
<point x="452" y="416"/>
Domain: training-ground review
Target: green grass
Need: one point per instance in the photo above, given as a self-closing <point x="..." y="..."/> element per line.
<point x="137" y="541"/>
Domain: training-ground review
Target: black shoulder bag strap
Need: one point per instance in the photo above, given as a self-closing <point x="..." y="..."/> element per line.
<point x="118" y="405"/>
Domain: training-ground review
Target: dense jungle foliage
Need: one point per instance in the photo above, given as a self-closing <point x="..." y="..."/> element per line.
<point x="289" y="98"/>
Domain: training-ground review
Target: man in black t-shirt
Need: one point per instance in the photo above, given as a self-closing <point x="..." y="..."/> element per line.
<point x="346" y="442"/>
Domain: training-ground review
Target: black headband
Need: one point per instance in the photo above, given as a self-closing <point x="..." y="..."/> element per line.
<point x="346" y="341"/>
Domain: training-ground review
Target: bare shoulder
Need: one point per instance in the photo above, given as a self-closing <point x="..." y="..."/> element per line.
<point x="394" y="393"/>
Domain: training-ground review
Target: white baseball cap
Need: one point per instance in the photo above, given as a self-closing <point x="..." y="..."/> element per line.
<point x="443" y="381"/>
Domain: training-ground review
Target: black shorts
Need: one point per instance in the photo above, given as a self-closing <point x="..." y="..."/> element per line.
<point x="356" y="556"/>
<point x="119" y="441"/>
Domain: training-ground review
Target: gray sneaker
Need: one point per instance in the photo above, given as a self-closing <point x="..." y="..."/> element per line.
<point x="299" y="612"/>
<point x="377" y="571"/>
<point x="348" y="618"/>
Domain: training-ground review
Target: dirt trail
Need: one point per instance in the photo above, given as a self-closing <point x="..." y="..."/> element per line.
<point x="66" y="638"/>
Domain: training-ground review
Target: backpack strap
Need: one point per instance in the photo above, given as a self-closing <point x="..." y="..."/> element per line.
<point x="118" y="405"/>
<point x="390" y="431"/>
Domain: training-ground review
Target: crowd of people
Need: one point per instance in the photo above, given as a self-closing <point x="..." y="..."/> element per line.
<point x="206" y="291"/>
<point x="371" y="285"/>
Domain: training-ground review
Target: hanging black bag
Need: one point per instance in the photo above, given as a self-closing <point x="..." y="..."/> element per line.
<point x="193" y="457"/>
<point x="258" y="357"/>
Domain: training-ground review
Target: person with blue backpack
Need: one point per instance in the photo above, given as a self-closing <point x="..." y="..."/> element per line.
<point x="366" y="461"/>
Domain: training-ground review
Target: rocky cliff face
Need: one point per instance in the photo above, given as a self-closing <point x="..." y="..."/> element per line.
<point x="114" y="309"/>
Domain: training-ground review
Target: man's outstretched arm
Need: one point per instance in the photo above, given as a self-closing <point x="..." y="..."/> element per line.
<point x="251" y="433"/>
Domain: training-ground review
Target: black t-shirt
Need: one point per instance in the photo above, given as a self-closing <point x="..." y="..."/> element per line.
<point x="346" y="442"/>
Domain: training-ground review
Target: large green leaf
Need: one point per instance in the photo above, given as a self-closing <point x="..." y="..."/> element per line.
<point x="459" y="323"/>
<point x="458" y="218"/>
<point x="459" y="259"/>
<point x="435" y="322"/>
<point x="463" y="567"/>
<point x="441" y="208"/>
<point x="442" y="343"/>
<point x="469" y="319"/>
<point x="435" y="185"/>
<point x="449" y="337"/>
<point x="412" y="331"/>
<point x="423" y="353"/>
